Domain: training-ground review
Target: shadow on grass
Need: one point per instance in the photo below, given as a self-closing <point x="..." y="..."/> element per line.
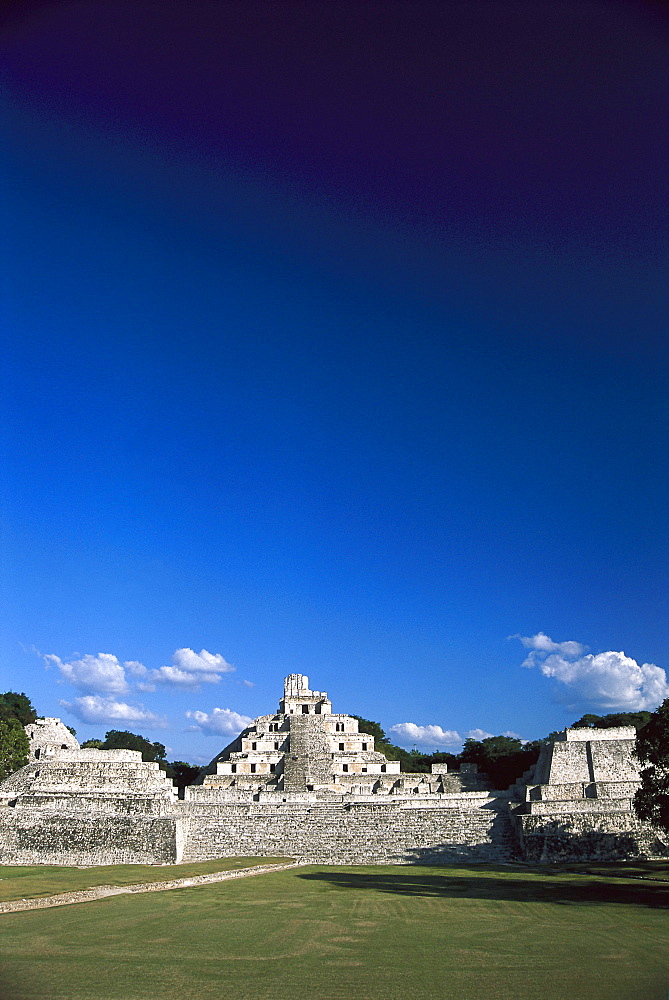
<point x="488" y="882"/>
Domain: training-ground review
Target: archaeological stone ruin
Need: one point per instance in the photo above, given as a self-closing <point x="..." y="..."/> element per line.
<point x="304" y="782"/>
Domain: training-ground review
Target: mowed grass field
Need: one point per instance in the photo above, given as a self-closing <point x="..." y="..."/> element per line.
<point x="354" y="933"/>
<point x="31" y="881"/>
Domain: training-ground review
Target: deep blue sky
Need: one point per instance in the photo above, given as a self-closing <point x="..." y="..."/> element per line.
<point x="335" y="342"/>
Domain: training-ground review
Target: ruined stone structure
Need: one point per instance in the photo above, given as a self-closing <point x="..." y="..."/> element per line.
<point x="577" y="802"/>
<point x="70" y="806"/>
<point x="48" y="737"/>
<point x="304" y="782"/>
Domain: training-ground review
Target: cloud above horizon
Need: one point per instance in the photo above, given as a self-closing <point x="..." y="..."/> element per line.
<point x="609" y="680"/>
<point x="190" y="669"/>
<point x="409" y="732"/>
<point x="105" y="674"/>
<point x="219" y="722"/>
<point x="94" y="708"/>
<point x="101" y="673"/>
<point x="435" y="736"/>
<point x="482" y="734"/>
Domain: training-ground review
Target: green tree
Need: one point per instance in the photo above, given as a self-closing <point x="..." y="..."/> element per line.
<point x="16" y="706"/>
<point x="14" y="747"/>
<point x="181" y="773"/>
<point x="502" y="758"/>
<point x="117" y="739"/>
<point x="612" y="720"/>
<point x="651" y="800"/>
<point x="93" y="745"/>
<point x="491" y="747"/>
<point x="421" y="763"/>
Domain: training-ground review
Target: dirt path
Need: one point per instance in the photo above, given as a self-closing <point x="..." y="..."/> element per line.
<point x="102" y="891"/>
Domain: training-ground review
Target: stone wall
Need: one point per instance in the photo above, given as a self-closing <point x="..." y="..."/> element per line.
<point x="112" y="776"/>
<point x="353" y="832"/>
<point x="589" y="733"/>
<point x="90" y="807"/>
<point x="600" y="835"/>
<point x="613" y="760"/>
<point x="570" y="762"/>
<point x="37" y="836"/>
<point x="48" y="737"/>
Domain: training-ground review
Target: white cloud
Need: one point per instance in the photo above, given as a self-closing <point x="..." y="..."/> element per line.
<point x="191" y="669"/>
<point x="609" y="680"/>
<point x="188" y="659"/>
<point x="431" y="736"/>
<point x="135" y="668"/>
<point x="94" y="708"/>
<point x="182" y="678"/>
<point x="106" y="675"/>
<point x="409" y="732"/>
<point x="221" y="721"/>
<point x="92" y="673"/>
<point x="542" y="643"/>
<point x="479" y="734"/>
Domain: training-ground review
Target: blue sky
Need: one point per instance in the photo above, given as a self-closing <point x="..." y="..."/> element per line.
<point x="334" y="343"/>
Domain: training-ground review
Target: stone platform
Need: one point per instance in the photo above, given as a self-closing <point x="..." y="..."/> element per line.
<point x="304" y="782"/>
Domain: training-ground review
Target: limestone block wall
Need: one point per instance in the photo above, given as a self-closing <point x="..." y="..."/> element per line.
<point x="36" y="836"/>
<point x="593" y="806"/>
<point x="370" y="783"/>
<point x="586" y="755"/>
<point x="88" y="807"/>
<point x="337" y="723"/>
<point x="91" y="804"/>
<point x="350" y="832"/>
<point x="579" y="804"/>
<point x="592" y="733"/>
<point x="98" y="774"/>
<point x="614" y="760"/>
<point x="602" y="835"/>
<point x="615" y="789"/>
<point x="464" y="781"/>
<point x="570" y="762"/>
<point x="304" y="745"/>
<point x="322" y="794"/>
<point x="299" y="700"/>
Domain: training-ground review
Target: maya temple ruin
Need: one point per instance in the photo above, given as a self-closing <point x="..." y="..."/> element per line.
<point x="304" y="782"/>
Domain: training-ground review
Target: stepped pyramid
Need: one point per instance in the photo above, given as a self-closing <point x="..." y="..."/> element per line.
<point x="303" y="747"/>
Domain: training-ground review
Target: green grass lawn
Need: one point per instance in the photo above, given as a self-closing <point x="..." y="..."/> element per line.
<point x="29" y="881"/>
<point x="358" y="933"/>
